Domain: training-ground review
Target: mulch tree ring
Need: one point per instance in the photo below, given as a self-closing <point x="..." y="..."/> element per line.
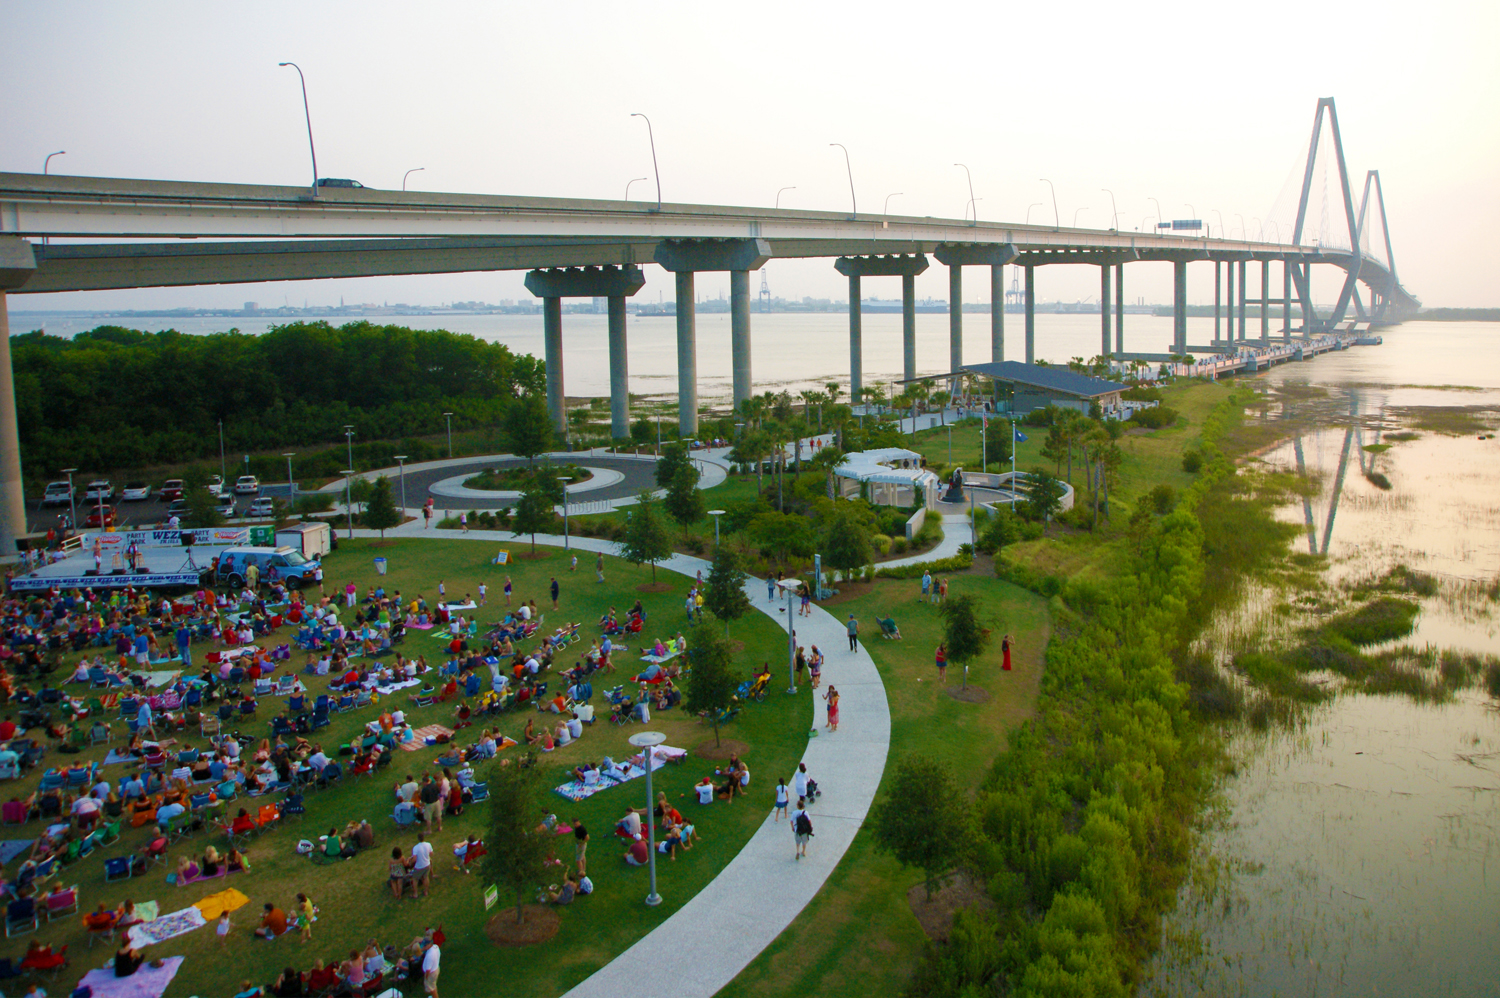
<point x="539" y="923"/>
<point x="847" y="591"/>
<point x="726" y="748"/>
<point x="968" y="694"/>
<point x="953" y="892"/>
<point x="654" y="587"/>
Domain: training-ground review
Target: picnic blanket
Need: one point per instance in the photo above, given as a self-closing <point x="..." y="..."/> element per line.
<point x="657" y="659"/>
<point x="165" y="927"/>
<point x="386" y="691"/>
<point x="421" y="627"/>
<point x="115" y="757"/>
<point x="422" y="734"/>
<point x="224" y="871"/>
<point x="577" y="790"/>
<point x="147" y="911"/>
<point x="147" y="982"/>
<point x="11" y="848"/>
<point x="214" y="905"/>
<point x="660" y="755"/>
<point x="161" y="678"/>
<point x="466" y="605"/>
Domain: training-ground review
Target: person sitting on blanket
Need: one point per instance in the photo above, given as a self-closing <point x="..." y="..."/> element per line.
<point x="187" y="870"/>
<point x="649" y="674"/>
<point x="236" y="862"/>
<point x="629" y="827"/>
<point x="272" y="923"/>
<point x="127" y="960"/>
<point x="210" y="863"/>
<point x="658" y="650"/>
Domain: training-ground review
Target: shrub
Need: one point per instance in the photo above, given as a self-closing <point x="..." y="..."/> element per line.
<point x="930" y="535"/>
<point x="1162" y="498"/>
<point x="1492" y="679"/>
<point x="957" y="563"/>
<point x="1384" y="619"/>
<point x="313" y="502"/>
<point x="1155" y="418"/>
<point x="882" y="543"/>
<point x="898" y="545"/>
<point x="1192" y="461"/>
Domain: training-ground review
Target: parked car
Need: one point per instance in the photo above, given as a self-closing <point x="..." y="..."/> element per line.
<point x="247" y="485"/>
<point x="225" y="504"/>
<point x="178" y="508"/>
<point x="171" y="490"/>
<point x="99" y="488"/>
<point x="135" y="491"/>
<point x="261" y="507"/>
<point x="215" y="485"/>
<point x="100" y="516"/>
<point x="57" y="494"/>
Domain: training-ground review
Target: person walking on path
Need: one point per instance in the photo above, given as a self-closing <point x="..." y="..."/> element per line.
<point x="573" y="565"/>
<point x="599" y="566"/>
<point x="554" y="592"/>
<point x="318" y="576"/>
<point x="431" y="963"/>
<point x="832" y="696"/>
<point x="926" y="583"/>
<point x="801" y="828"/>
<point x="770" y="588"/>
<point x="853" y="628"/>
<point x="1005" y="652"/>
<point x="426" y="517"/>
<point x="942" y="590"/>
<point x="781" y="798"/>
<point x="942" y="662"/>
<point x="421" y="867"/>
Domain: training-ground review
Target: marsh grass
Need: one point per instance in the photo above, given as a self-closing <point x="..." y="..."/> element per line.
<point x="1383" y="619"/>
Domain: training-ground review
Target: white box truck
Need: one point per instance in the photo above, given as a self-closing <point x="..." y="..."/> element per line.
<point x="314" y="540"/>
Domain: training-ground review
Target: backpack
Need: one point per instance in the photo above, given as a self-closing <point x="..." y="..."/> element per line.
<point x="585" y="885"/>
<point x="804" y="824"/>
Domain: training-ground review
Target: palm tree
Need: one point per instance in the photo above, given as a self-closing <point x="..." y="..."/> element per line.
<point x="839" y="416"/>
<point x="826" y="460"/>
<point x="753" y="447"/>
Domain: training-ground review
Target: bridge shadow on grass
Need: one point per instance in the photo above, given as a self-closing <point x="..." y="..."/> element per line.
<point x="353" y="898"/>
<point x="859" y="936"/>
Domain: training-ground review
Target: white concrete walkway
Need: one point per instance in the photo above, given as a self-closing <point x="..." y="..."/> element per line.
<point x="702" y="946"/>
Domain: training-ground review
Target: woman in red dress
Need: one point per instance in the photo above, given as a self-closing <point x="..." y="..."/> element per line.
<point x="1005" y="652"/>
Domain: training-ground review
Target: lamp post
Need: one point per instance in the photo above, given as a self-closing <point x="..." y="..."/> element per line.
<point x="308" y="113"/>
<point x="1144" y="217"/>
<point x="1055" y="223"/>
<point x="291" y="490"/>
<point x="223" y="468"/>
<point x="1222" y="233"/>
<point x="950" y="446"/>
<point x="72" y="510"/>
<point x="716" y="513"/>
<point x="1114" y="217"/>
<point x="1244" y="233"/>
<point x="349" y="499"/>
<point x="971" y="194"/>
<point x="886" y="210"/>
<point x="1159" y="216"/>
<point x="48" y="161"/>
<point x="1192" y="212"/>
<point x="853" y="205"/>
<point x="637" y="180"/>
<point x="349" y="440"/>
<point x="401" y="464"/>
<point x="565" y="479"/>
<point x="651" y="134"/>
<point x="1278" y="230"/>
<point x="449" y="417"/>
<point x="1260" y="230"/>
<point x="1034" y="204"/>
<point x="789" y="586"/>
<point x="1075" y="215"/>
<point x="778" y="195"/>
<point x="646" y="741"/>
<point x="415" y="169"/>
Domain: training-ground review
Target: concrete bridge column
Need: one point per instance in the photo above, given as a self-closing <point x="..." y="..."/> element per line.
<point x="1265" y="299"/>
<point x="1104" y="276"/>
<point x="1228" y="301"/>
<point x="612" y="283"/>
<point x="997" y="313"/>
<point x="1179" y="306"/>
<point x="1218" y="288"/>
<point x="619" y="371"/>
<point x="908" y="326"/>
<point x="552" y="341"/>
<point x="1119" y="309"/>
<point x="856" y="333"/>
<point x="687" y="355"/>
<point x="955" y="316"/>
<point x="1030" y="314"/>
<point x="17" y="264"/>
<point x="1243" y="333"/>
<point x="1286" y="302"/>
<point x="739" y="333"/>
<point x="685" y="258"/>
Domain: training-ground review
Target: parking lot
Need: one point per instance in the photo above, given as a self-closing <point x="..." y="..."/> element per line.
<point x="151" y="511"/>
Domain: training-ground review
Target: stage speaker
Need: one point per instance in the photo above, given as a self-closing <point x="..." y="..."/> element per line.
<point x="188" y="539"/>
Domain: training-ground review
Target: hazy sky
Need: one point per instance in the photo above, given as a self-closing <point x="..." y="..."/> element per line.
<point x="1190" y="103"/>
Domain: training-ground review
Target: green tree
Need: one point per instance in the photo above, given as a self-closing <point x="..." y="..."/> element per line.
<point x="203" y="506"/>
<point x="645" y="540"/>
<point x="826" y="460"/>
<point x="782" y="534"/>
<point x="359" y="492"/>
<point x="642" y="431"/>
<point x="924" y="819"/>
<point x="533" y="512"/>
<point x="711" y="684"/>
<point x="684" y="501"/>
<point x="674" y="457"/>
<point x="752" y="448"/>
<point x="963" y="636"/>
<point x="380" y="512"/>
<point x="846" y="543"/>
<point x="726" y="597"/>
<point x="528" y="427"/>
<point x="517" y="850"/>
<point x="1044" y="498"/>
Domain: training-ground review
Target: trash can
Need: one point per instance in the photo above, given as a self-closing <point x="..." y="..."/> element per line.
<point x="380" y="566"/>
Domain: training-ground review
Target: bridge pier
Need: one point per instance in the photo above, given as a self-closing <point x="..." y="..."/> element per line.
<point x="1218" y="278"/>
<point x="956" y="256"/>
<point x="997" y="313"/>
<point x="1228" y="300"/>
<point x="1179" y="306"/>
<point x="905" y="267"/>
<point x="1104" y="277"/>
<point x="1119" y="309"/>
<point x="955" y="316"/>
<point x="685" y="258"/>
<point x="1030" y="313"/>
<point x="17" y="264"/>
<point x="1243" y="333"/>
<point x="1265" y="301"/>
<point x="1286" y="302"/>
<point x="614" y="283"/>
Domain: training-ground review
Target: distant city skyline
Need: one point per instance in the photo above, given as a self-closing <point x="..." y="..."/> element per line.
<point x="1203" y="110"/>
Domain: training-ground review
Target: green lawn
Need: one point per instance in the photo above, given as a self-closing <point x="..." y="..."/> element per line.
<point x="352" y="896"/>
<point x="858" y="936"/>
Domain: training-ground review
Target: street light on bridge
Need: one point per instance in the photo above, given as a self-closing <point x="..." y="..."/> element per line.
<point x="1075" y="215"/>
<point x="1244" y="234"/>
<point x="1034" y="204"/>
<point x="1055" y="223"/>
<point x="971" y="195"/>
<point x="1222" y="233"/>
<point x="48" y="161"/>
<point x="1114" y="217"/>
<point x="778" y="195"/>
<point x="1159" y="216"/>
<point x="650" y="134"/>
<point x="637" y="180"/>
<point x="886" y="210"/>
<point x="415" y="169"/>
<point x="308" y="113"/>
<point x="853" y="204"/>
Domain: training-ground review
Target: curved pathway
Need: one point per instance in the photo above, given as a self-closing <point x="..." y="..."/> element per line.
<point x="703" y="945"/>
